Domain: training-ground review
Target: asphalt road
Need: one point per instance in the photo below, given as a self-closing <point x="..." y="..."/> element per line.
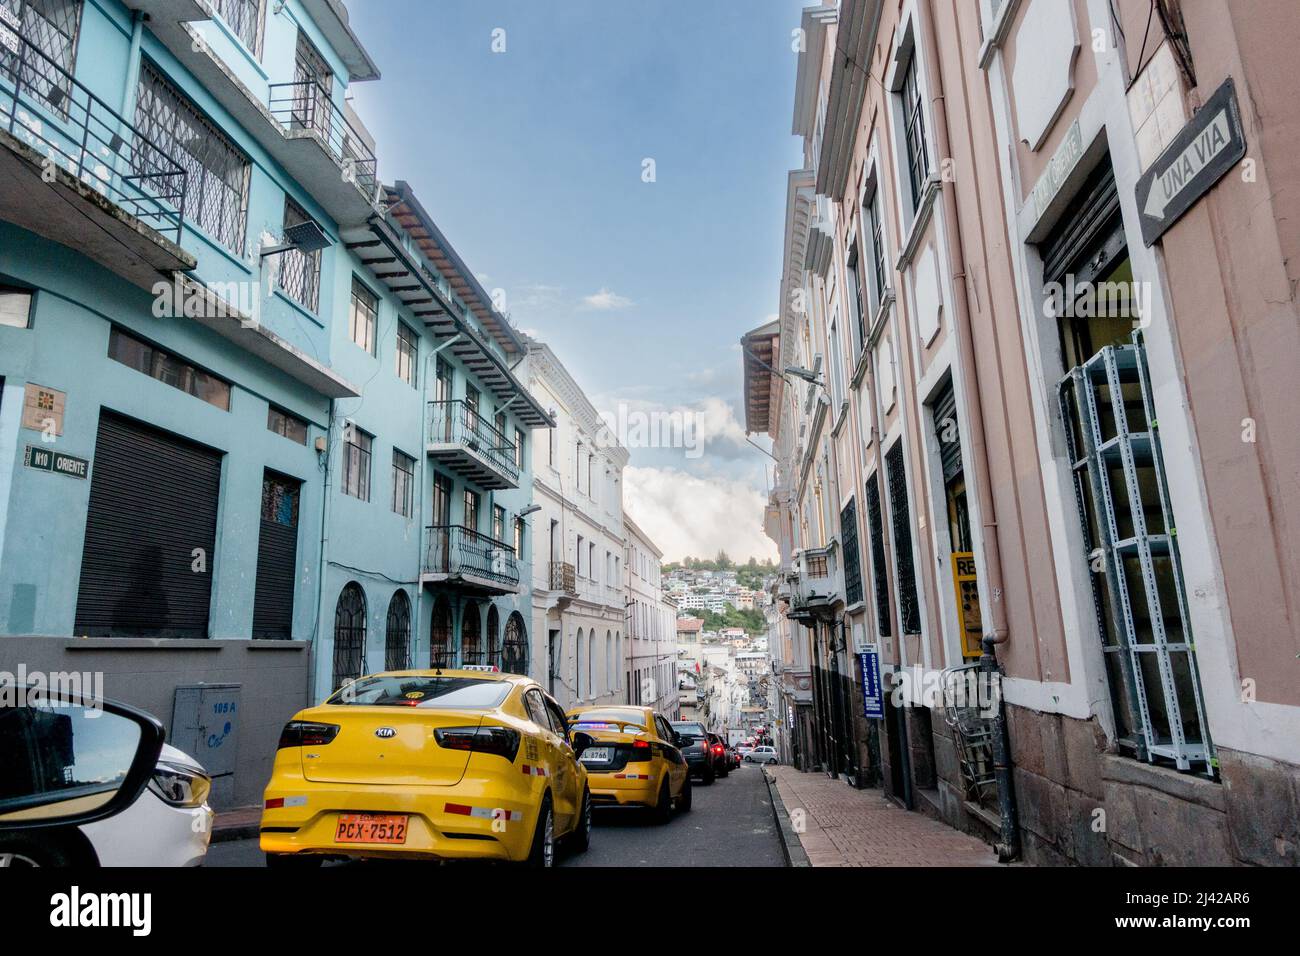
<point x="730" y="824"/>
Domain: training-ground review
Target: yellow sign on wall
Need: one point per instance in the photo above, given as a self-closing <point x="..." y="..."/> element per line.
<point x="965" y="583"/>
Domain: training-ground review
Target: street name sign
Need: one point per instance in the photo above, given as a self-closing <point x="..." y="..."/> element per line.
<point x="1209" y="145"/>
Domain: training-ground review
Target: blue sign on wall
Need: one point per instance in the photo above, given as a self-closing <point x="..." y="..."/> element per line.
<point x="873" y="701"/>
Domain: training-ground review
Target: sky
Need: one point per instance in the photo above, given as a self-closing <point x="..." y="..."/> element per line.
<point x="618" y="170"/>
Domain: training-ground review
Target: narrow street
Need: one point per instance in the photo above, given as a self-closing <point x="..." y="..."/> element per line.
<point x="730" y="824"/>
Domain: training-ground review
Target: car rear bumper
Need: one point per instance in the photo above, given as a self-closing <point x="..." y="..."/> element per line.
<point x="626" y="788"/>
<point x="467" y="821"/>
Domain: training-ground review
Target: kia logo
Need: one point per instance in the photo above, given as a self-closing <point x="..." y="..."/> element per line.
<point x="385" y="732"/>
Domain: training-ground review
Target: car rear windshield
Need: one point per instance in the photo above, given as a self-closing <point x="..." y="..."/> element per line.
<point x="611" y="718"/>
<point x="455" y="692"/>
<point x="689" y="730"/>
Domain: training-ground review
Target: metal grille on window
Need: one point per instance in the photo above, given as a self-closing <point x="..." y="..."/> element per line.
<point x="440" y="634"/>
<point x="280" y="501"/>
<point x="471" y="640"/>
<point x="217" y="172"/>
<point x="878" y="574"/>
<point x="909" y="608"/>
<point x="397" y="637"/>
<point x="244" y="17"/>
<point x="313" y="81"/>
<point x="1113" y="440"/>
<point x="914" y="131"/>
<point x="349" y="634"/>
<point x="299" y="271"/>
<point x="852" y="566"/>
<point x="52" y="27"/>
<point x="493" y="637"/>
<point x="515" y="649"/>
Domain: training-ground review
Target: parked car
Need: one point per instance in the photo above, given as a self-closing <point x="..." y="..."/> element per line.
<point x="95" y="809"/>
<point x="733" y="756"/>
<point x="635" y="760"/>
<point x="721" y="765"/>
<point x="762" y="755"/>
<point x="697" y="749"/>
<point x="743" y="749"/>
<point x="428" y="764"/>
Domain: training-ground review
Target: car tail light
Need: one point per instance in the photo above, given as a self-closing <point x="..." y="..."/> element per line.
<point x="717" y="748"/>
<point x="502" y="741"/>
<point x="641" y="751"/>
<point x="306" y="733"/>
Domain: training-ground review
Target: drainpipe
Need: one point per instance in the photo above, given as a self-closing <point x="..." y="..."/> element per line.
<point x="133" y="64"/>
<point x="1008" y="846"/>
<point x="320" y="563"/>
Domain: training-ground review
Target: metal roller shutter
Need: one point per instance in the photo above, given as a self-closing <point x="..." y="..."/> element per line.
<point x="945" y="430"/>
<point x="153" y="501"/>
<point x="277" y="557"/>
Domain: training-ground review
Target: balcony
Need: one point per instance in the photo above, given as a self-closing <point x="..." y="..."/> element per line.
<point x="76" y="172"/>
<point x="464" y="558"/>
<point x="299" y="124"/>
<point x="817" y="587"/>
<point x="461" y="439"/>
<point x="564" y="578"/>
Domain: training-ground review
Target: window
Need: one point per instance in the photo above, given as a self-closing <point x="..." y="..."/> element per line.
<point x="877" y="531"/>
<point x="498" y="523"/>
<point x="550" y="447"/>
<point x="852" y="569"/>
<point x="918" y="164"/>
<point x="519" y="449"/>
<point x="578" y="557"/>
<point x="471" y="408"/>
<point x="408" y="353"/>
<point x="356" y="462"/>
<point x="15" y="307"/>
<point x="403" y="484"/>
<point x="471" y="635"/>
<point x="514" y="650"/>
<point x="299" y="271"/>
<point x="244" y="17"/>
<point x="471" y="504"/>
<point x="165" y="367"/>
<point x="313" y="82"/>
<point x="362" y="316"/>
<point x="51" y="27"/>
<point x="519" y="537"/>
<point x="856" y="288"/>
<point x="289" y="426"/>
<point x="909" y="609"/>
<point x="216" y="171"/>
<point x="493" y="636"/>
<point x="349" y="634"/>
<point x="877" y="250"/>
<point x="397" y="637"/>
<point x="440" y="633"/>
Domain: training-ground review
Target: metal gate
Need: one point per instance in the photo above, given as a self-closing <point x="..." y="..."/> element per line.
<point x="349" y="634"/>
<point x="151" y="524"/>
<point x="277" y="558"/>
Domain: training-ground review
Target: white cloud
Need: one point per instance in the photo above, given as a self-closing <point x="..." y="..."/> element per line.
<point x="605" y="300"/>
<point x="685" y="514"/>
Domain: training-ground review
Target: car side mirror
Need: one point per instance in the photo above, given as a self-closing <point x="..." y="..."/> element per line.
<point x="71" y="760"/>
<point x="679" y="740"/>
<point x="580" y="741"/>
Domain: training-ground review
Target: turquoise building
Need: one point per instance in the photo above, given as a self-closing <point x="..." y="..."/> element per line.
<point x="259" y="429"/>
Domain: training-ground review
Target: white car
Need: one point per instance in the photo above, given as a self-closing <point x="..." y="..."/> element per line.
<point x="168" y="825"/>
<point x="762" y="755"/>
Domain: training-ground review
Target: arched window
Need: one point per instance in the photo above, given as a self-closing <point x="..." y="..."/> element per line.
<point x="609" y="661"/>
<point x="493" y="636"/>
<point x="471" y="637"/>
<point x="397" y="640"/>
<point x="440" y="634"/>
<point x="581" y="662"/>
<point x="515" y="654"/>
<point x="591" y="663"/>
<point x="349" y="634"/>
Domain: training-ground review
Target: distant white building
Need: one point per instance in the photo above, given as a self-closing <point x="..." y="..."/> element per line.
<point x="650" y="665"/>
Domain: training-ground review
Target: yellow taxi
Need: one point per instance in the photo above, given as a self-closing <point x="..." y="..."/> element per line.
<point x="428" y="764"/>
<point x="633" y="760"/>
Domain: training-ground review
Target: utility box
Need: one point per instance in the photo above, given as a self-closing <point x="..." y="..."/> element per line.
<point x="205" y="724"/>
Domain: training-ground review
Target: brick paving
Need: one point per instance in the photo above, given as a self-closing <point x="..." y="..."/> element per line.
<point x="848" y="827"/>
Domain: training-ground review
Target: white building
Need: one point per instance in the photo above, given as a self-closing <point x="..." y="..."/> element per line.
<point x="651" y="626"/>
<point x="579" y="631"/>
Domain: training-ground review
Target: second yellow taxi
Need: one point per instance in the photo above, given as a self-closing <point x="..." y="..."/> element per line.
<point x="634" y="759"/>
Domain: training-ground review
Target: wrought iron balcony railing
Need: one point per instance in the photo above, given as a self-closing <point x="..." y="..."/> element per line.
<point x="457" y="422"/>
<point x="457" y="551"/>
<point x="564" y="577"/>
<point x="43" y="106"/>
<point x="306" y="106"/>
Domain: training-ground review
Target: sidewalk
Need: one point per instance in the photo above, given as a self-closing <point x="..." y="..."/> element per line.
<point x="847" y="827"/>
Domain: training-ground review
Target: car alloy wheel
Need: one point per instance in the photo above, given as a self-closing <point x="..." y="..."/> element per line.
<point x="16" y="860"/>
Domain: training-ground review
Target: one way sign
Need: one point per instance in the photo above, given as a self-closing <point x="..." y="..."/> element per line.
<point x="1204" y="149"/>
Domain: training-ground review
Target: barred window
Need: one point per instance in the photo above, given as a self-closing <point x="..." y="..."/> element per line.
<point x="403" y="484"/>
<point x="299" y="271"/>
<point x="216" y="171"/>
<point x="52" y="27"/>
<point x="363" y="315"/>
<point x="909" y="608"/>
<point x="408" y="353"/>
<point x="244" y="17"/>
<point x="356" y="462"/>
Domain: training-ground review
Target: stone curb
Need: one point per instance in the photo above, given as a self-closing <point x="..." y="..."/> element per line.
<point x="791" y="847"/>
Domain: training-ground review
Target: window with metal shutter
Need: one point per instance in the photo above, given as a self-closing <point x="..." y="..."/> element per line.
<point x="945" y="430"/>
<point x="277" y="558"/>
<point x="151" y="525"/>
